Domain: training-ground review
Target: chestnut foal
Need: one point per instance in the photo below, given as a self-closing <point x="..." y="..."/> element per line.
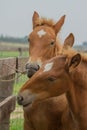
<point x="57" y="76"/>
<point x="48" y="114"/>
<point x="44" y="44"/>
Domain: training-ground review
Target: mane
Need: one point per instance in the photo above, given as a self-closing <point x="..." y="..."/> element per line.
<point x="45" y="21"/>
<point x="84" y="56"/>
<point x="71" y="52"/>
<point x="58" y="45"/>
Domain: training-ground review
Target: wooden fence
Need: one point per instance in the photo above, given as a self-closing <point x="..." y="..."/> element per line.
<point x="8" y="68"/>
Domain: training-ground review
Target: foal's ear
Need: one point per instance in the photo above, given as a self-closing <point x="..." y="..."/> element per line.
<point x="59" y="24"/>
<point x="69" y="41"/>
<point x="35" y="18"/>
<point x="74" y="62"/>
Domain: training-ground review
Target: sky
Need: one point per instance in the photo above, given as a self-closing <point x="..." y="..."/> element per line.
<point x="16" y="16"/>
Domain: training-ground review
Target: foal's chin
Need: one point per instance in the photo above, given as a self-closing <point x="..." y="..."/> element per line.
<point x="31" y="105"/>
<point x="27" y="107"/>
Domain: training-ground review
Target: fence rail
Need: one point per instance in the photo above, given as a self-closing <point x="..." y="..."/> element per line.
<point x="8" y="68"/>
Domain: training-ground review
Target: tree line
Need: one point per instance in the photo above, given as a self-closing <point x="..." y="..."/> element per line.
<point x="13" y="39"/>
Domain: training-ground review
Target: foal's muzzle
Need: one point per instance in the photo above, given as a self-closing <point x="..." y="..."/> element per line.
<point x="25" y="98"/>
<point x="31" y="69"/>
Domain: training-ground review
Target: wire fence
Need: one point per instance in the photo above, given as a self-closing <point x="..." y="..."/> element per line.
<point x="16" y="120"/>
<point x="16" y="117"/>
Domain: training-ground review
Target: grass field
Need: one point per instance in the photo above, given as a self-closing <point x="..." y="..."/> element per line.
<point x="6" y="54"/>
<point x="11" y="47"/>
<point x="18" y="125"/>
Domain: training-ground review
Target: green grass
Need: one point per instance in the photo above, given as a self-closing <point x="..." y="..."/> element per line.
<point x="4" y="46"/>
<point x="5" y="54"/>
<point x="16" y="121"/>
<point x="18" y="84"/>
<point x="16" y="126"/>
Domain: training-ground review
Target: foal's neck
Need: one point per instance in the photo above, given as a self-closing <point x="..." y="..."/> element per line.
<point x="77" y="96"/>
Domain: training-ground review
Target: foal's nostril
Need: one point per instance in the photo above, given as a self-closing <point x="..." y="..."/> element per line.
<point x="31" y="69"/>
<point x="19" y="99"/>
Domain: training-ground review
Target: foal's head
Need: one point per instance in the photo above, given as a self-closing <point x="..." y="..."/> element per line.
<point x="52" y="79"/>
<point x="43" y="42"/>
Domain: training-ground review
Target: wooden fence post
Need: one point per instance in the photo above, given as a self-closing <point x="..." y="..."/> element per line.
<point x="7" y="79"/>
<point x="20" y="51"/>
<point x="7" y="105"/>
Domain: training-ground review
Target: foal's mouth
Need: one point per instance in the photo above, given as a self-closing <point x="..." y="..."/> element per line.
<point x="28" y="104"/>
<point x="30" y="72"/>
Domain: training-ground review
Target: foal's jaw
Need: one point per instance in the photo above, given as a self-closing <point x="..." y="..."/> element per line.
<point x="26" y="98"/>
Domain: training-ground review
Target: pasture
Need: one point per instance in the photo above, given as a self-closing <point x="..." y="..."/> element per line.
<point x="13" y="50"/>
<point x="10" y="50"/>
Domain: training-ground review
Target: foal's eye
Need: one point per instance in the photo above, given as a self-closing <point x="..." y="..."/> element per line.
<point x="52" y="43"/>
<point x="37" y="25"/>
<point x="51" y="78"/>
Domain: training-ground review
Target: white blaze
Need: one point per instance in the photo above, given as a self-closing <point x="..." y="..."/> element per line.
<point x="48" y="67"/>
<point x="41" y="33"/>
